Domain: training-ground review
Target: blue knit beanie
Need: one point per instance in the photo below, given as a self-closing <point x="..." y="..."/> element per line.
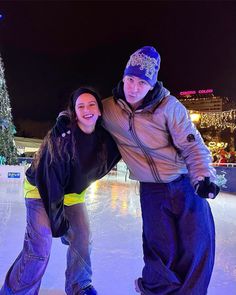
<point x="144" y="64"/>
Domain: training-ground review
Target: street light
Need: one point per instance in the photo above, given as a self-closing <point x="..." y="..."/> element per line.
<point x="195" y="117"/>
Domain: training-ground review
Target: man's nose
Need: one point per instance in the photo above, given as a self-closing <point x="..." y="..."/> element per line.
<point x="135" y="87"/>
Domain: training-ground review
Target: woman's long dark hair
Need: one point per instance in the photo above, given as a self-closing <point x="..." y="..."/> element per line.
<point x="65" y="148"/>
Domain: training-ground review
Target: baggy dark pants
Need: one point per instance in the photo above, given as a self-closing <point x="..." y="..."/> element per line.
<point x="178" y="239"/>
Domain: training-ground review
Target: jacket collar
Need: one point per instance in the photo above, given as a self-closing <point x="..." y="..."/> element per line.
<point x="151" y="100"/>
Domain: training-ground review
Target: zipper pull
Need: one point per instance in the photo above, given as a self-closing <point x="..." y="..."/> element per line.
<point x="130" y="118"/>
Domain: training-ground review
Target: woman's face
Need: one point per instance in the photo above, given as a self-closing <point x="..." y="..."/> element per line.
<point x="87" y="112"/>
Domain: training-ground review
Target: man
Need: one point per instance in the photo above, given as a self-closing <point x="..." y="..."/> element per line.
<point x="166" y="154"/>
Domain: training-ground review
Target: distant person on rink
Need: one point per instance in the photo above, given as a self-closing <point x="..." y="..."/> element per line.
<point x="232" y="157"/>
<point x="166" y="154"/>
<point x="55" y="198"/>
<point x="222" y="160"/>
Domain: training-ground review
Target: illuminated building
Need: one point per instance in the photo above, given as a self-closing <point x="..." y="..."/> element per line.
<point x="201" y="100"/>
<point x="209" y="113"/>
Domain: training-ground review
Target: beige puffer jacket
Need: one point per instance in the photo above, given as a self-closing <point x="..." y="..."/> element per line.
<point x="159" y="142"/>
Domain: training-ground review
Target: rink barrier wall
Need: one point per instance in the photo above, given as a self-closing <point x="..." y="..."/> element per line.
<point x="12" y="173"/>
<point x="16" y="173"/>
<point x="228" y="174"/>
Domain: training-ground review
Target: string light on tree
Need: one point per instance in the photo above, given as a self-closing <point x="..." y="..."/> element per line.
<point x="8" y="151"/>
<point x="222" y="120"/>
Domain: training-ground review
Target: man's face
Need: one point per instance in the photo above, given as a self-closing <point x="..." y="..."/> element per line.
<point x="135" y="89"/>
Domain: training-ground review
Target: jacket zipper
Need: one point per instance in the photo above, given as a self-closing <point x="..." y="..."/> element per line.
<point x="149" y="159"/>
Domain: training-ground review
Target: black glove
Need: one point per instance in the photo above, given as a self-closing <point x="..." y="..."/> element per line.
<point x="66" y="239"/>
<point x="206" y="189"/>
<point x="61" y="128"/>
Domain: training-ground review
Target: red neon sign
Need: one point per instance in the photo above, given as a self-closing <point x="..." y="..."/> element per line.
<point x="204" y="91"/>
<point x="190" y="92"/>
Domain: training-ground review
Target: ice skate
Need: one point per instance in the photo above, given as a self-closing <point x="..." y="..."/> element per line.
<point x="90" y="290"/>
<point x="138" y="286"/>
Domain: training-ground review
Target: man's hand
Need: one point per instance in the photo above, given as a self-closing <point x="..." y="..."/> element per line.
<point x="206" y="189"/>
<point x="61" y="128"/>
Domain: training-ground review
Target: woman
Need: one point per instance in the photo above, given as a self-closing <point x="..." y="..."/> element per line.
<point x="55" y="187"/>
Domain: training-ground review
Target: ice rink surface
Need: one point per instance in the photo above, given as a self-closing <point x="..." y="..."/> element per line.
<point x="114" y="209"/>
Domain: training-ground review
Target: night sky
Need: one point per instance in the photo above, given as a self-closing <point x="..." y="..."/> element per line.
<point x="49" y="48"/>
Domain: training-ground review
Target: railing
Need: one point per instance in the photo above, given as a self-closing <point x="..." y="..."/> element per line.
<point x="224" y="164"/>
<point x="24" y="160"/>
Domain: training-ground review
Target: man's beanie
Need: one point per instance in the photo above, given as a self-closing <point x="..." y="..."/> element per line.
<point x="144" y="64"/>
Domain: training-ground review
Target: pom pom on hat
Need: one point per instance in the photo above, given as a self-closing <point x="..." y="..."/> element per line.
<point x="144" y="64"/>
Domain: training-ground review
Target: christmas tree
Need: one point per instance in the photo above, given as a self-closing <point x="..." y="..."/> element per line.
<point x="8" y="151"/>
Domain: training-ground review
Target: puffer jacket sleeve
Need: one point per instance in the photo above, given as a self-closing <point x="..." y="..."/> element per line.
<point x="188" y="141"/>
<point x="50" y="179"/>
<point x="113" y="154"/>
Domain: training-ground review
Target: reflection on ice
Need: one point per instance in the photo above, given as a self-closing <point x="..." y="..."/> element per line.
<point x="114" y="193"/>
<point x="115" y="214"/>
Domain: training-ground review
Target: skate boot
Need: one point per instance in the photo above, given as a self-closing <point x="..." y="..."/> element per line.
<point x="138" y="286"/>
<point x="88" y="291"/>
